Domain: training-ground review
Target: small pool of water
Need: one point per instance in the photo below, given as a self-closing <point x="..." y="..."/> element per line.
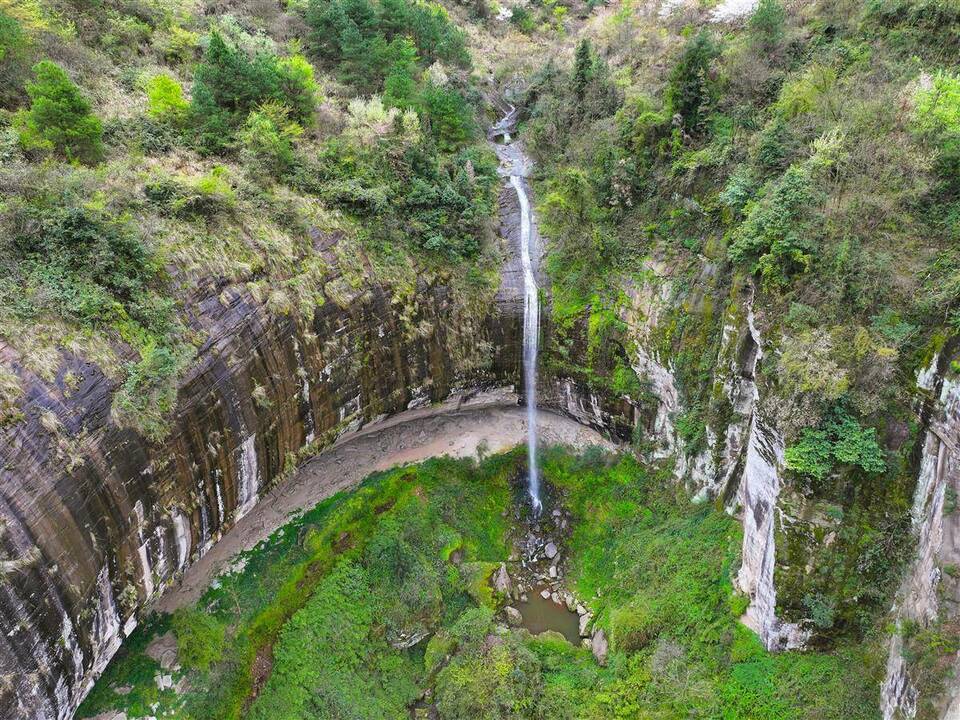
<point x="540" y="615"/>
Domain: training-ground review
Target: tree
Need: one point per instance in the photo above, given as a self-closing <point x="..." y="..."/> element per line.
<point x="400" y="87"/>
<point x="229" y="84"/>
<point x="691" y="90"/>
<point x="446" y="114"/>
<point x="767" y="23"/>
<point x="59" y="118"/>
<point x="165" y="99"/>
<point x="267" y="139"/>
<point x="582" y="72"/>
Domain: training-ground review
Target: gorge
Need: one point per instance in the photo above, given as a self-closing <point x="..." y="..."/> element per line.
<point x="387" y="358"/>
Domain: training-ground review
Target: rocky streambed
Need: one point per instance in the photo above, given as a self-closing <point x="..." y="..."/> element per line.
<point x="532" y="583"/>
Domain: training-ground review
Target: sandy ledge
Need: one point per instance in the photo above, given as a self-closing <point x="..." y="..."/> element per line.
<point x="455" y="429"/>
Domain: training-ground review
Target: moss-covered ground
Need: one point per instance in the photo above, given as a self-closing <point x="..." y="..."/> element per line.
<point x="313" y="623"/>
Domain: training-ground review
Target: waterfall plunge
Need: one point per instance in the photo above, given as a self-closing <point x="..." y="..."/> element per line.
<point x="515" y="163"/>
<point x="531" y="338"/>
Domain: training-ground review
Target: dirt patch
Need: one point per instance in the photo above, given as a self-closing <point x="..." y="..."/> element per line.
<point x="262" y="667"/>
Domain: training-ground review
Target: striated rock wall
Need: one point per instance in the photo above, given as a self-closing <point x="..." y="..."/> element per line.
<point x="741" y="462"/>
<point x="95" y="520"/>
<point x="930" y="594"/>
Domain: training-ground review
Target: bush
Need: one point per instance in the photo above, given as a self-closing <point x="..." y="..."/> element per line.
<point x="59" y="118"/>
<point x="634" y="627"/>
<point x="229" y="84"/>
<point x="165" y="101"/>
<point x="523" y="19"/>
<point x="200" y="638"/>
<point x="149" y="392"/>
<point x="74" y="262"/>
<point x="267" y="139"/>
<point x="841" y="441"/>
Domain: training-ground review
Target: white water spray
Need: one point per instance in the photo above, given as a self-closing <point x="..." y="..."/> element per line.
<point x="531" y="338"/>
<point x="515" y="163"/>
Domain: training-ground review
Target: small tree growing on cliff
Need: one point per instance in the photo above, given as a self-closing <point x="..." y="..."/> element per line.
<point x="59" y="119"/>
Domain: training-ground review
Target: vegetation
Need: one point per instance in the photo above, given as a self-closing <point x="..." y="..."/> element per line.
<point x="159" y="143"/>
<point x="362" y="605"/>
<point x="59" y="119"/>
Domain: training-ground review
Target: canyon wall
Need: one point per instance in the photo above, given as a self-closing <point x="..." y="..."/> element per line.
<point x="95" y="520"/>
<point x="930" y="593"/>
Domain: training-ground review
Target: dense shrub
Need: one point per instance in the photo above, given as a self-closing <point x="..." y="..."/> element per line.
<point x="75" y="263"/>
<point x="266" y="140"/>
<point x="200" y="638"/>
<point x="356" y="36"/>
<point x="229" y="84"/>
<point x="841" y="441"/>
<point x="165" y="101"/>
<point x="59" y="118"/>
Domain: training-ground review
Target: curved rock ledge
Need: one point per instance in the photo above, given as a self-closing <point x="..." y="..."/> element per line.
<point x="490" y="423"/>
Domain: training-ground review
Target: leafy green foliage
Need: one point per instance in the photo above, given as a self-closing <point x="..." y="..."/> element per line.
<point x="841" y="441"/>
<point x="267" y="140"/>
<point x="775" y="233"/>
<point x="165" y="100"/>
<point x="200" y="638"/>
<point x="359" y="36"/>
<point x="691" y="92"/>
<point x="59" y="118"/>
<point x="229" y="84"/>
<point x="129" y="681"/>
<point x="409" y="194"/>
<point x="767" y="23"/>
<point x="329" y="661"/>
<point x="13" y="53"/>
<point x="342" y="587"/>
<point x="78" y="263"/>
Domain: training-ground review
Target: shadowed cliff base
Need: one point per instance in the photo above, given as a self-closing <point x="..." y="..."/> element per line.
<point x="489" y="423"/>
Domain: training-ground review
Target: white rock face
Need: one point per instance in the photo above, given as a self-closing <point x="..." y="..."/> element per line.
<point x="249" y="481"/>
<point x="747" y="447"/>
<point x="758" y="493"/>
<point x="938" y="544"/>
<point x="711" y="471"/>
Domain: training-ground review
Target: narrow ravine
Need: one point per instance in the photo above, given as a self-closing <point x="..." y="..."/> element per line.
<point x="514" y="164"/>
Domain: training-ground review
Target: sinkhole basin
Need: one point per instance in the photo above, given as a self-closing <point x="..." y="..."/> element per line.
<point x="388" y="602"/>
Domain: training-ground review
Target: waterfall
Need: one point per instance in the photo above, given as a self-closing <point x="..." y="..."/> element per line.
<point x="514" y="164"/>
<point x="531" y="338"/>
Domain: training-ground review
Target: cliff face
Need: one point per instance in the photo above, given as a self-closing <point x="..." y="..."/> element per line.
<point x="95" y="520"/>
<point x="930" y="593"/>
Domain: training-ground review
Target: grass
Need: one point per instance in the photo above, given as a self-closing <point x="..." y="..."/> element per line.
<point x="317" y="616"/>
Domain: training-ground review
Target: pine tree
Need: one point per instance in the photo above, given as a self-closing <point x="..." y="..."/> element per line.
<point x="582" y="72"/>
<point x="400" y="87"/>
<point x="59" y="118"/>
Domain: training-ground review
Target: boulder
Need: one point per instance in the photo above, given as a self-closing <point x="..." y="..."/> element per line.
<point x="501" y="581"/>
<point x="513" y="616"/>
<point x="584" y="624"/>
<point x="599" y="647"/>
<point x="545" y="594"/>
<point x="551" y="550"/>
